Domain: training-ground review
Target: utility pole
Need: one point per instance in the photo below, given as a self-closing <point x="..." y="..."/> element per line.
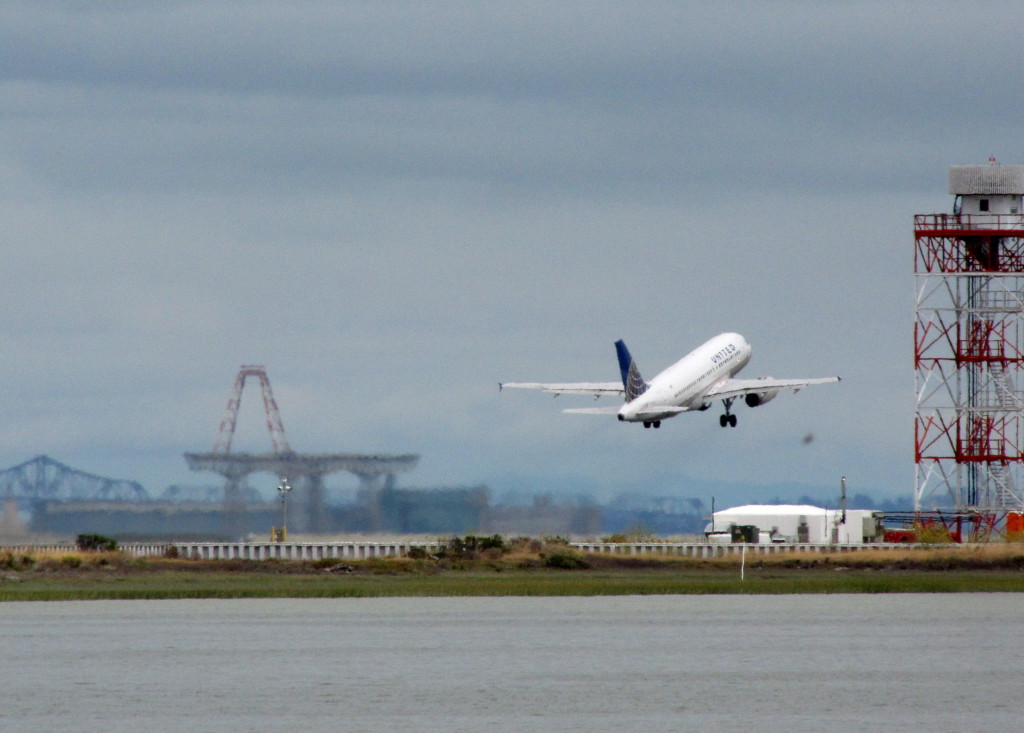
<point x="283" y="488"/>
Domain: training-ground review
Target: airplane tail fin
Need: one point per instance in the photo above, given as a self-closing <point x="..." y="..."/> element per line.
<point x="631" y="379"/>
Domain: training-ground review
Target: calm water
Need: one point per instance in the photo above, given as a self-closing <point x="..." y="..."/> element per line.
<point x="675" y="663"/>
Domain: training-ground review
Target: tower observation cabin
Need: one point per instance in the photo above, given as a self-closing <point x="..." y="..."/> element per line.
<point x="969" y="347"/>
<point x="994" y="190"/>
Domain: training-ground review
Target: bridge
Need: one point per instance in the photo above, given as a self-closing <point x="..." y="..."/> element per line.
<point x="44" y="479"/>
<point x="305" y="471"/>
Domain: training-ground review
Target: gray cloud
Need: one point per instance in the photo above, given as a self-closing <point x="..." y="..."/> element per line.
<point x="396" y="206"/>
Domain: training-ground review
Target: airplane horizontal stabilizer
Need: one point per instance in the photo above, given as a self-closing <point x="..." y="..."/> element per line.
<point x="594" y="410"/>
<point x="591" y="388"/>
<point x="656" y="412"/>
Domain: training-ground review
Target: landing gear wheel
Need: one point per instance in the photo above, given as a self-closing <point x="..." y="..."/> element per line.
<point x="656" y="423"/>
<point x="728" y="418"/>
<point x="647" y="424"/>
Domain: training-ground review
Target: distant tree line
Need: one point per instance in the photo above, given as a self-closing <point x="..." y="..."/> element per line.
<point x="438" y="511"/>
<point x="864" y="501"/>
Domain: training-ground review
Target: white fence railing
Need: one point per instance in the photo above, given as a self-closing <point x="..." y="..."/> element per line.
<point x="367" y="550"/>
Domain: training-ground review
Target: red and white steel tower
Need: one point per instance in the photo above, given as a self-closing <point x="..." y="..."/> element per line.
<point x="969" y="346"/>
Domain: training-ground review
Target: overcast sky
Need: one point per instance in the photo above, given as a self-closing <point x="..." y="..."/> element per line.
<point x="394" y="206"/>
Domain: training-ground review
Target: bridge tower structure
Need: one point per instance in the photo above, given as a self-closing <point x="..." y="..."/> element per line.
<point x="969" y="348"/>
<point x="305" y="471"/>
<point x="274" y="425"/>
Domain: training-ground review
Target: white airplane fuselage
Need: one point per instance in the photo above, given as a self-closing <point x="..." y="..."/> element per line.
<point x="685" y="383"/>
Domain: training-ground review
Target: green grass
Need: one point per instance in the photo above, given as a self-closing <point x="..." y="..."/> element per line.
<point x="94" y="584"/>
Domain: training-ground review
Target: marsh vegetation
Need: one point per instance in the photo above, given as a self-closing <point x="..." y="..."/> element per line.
<point x="519" y="567"/>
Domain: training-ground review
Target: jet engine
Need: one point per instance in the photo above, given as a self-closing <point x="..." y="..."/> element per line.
<point x="759" y="398"/>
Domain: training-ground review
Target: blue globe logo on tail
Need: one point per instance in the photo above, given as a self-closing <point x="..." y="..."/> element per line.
<point x="631" y="379"/>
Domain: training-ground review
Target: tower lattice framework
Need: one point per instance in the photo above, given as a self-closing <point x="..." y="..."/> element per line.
<point x="306" y="471"/>
<point x="275" y="427"/>
<point x="969" y="357"/>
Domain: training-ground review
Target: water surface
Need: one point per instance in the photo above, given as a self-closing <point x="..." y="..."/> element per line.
<point x="947" y="662"/>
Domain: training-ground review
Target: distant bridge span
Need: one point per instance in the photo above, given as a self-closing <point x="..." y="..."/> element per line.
<point x="44" y="479"/>
<point x="369" y="468"/>
<point x="308" y="470"/>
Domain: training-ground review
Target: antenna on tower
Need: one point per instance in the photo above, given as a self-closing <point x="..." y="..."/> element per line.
<point x="274" y="425"/>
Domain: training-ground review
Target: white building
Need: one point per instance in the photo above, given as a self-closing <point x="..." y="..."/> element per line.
<point x="797" y="523"/>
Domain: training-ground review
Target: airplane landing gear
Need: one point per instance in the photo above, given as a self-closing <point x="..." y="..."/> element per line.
<point x="647" y="424"/>
<point x="728" y="418"/>
<point x="652" y="423"/>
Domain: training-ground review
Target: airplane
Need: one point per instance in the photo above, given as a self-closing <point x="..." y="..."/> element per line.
<point x="691" y="384"/>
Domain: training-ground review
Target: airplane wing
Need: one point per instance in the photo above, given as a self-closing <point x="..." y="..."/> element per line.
<point x="592" y="388"/>
<point x="737" y="387"/>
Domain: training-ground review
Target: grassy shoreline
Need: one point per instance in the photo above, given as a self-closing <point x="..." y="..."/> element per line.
<point x="546" y="572"/>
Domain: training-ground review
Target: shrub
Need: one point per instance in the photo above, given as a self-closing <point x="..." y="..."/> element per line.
<point x="525" y="544"/>
<point x="72" y="561"/>
<point x="382" y="566"/>
<point x="10" y="561"/>
<point x="494" y="542"/>
<point x="566" y="560"/>
<point x="96" y="543"/>
<point x="555" y="539"/>
<point x="635" y="533"/>
<point x="417" y="553"/>
<point x="933" y="533"/>
<point x="470" y="546"/>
